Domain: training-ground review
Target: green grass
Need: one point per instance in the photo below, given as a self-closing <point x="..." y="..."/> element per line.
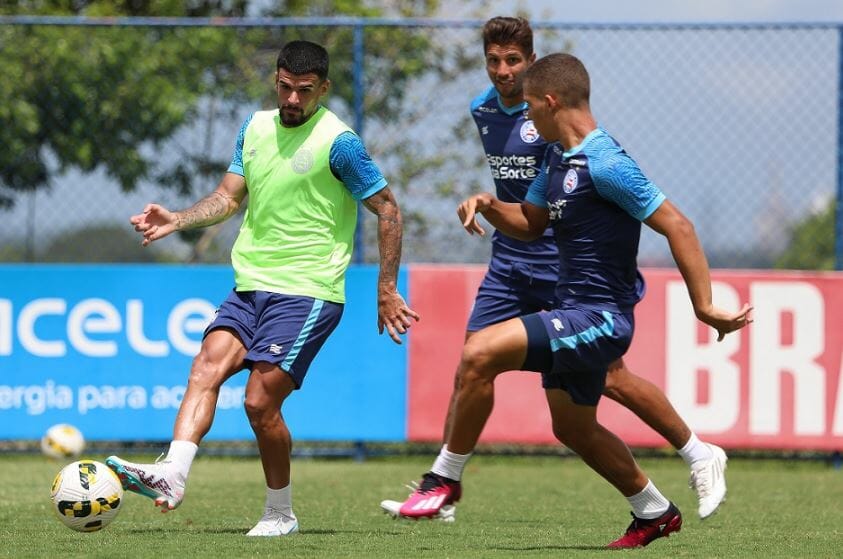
<point x="512" y="507"/>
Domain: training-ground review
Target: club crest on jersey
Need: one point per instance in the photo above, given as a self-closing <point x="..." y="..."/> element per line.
<point x="570" y="182"/>
<point x="302" y="161"/>
<point x="529" y="134"/>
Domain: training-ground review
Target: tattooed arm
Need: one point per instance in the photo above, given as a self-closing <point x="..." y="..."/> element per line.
<point x="393" y="312"/>
<point x="156" y="222"/>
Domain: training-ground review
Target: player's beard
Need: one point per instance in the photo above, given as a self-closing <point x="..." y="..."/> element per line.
<point x="291" y="116"/>
<point x="510" y="90"/>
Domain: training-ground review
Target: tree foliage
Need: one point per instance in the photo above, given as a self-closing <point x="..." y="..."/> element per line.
<point x="394" y="56"/>
<point x="113" y="98"/>
<point x="109" y="97"/>
<point x="811" y="244"/>
<point x="114" y="243"/>
<point x="103" y="242"/>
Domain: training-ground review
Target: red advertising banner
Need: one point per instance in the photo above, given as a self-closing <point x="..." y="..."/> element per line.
<point x="775" y="384"/>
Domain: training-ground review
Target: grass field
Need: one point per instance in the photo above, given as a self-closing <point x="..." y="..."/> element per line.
<point x="512" y="507"/>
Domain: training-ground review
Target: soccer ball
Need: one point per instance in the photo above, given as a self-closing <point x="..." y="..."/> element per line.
<point x="86" y="495"/>
<point x="62" y="441"/>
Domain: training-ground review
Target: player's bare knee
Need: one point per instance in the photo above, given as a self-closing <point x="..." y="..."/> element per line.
<point x="574" y="438"/>
<point x="612" y="392"/>
<point x="616" y="387"/>
<point x="206" y="373"/>
<point x="476" y="362"/>
<point x="563" y="434"/>
<point x="259" y="411"/>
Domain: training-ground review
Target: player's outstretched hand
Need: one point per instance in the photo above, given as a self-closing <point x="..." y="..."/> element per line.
<point x="155" y="222"/>
<point x="468" y="210"/>
<point x="725" y="322"/>
<point x="394" y="315"/>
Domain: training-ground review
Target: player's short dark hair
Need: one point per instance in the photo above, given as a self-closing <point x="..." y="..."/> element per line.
<point x="508" y="31"/>
<point x="303" y="57"/>
<point x="563" y="74"/>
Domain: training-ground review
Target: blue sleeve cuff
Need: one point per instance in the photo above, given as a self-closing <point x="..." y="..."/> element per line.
<point x="535" y="199"/>
<point x="651" y="207"/>
<point x="370" y="191"/>
<point x="537" y="191"/>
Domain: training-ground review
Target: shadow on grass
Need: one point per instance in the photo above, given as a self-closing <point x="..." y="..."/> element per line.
<point x="553" y="548"/>
<point x="305" y="533"/>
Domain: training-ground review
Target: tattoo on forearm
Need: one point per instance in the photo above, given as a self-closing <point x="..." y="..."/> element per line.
<point x="211" y="209"/>
<point x="389" y="237"/>
<point x="389" y="219"/>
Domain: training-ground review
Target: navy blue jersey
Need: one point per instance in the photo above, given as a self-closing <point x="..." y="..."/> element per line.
<point x="597" y="197"/>
<point x="514" y="152"/>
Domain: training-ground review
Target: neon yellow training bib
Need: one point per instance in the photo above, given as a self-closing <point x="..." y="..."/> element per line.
<point x="298" y="231"/>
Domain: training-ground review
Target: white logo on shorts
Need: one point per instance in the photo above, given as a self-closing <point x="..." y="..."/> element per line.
<point x="557" y="324"/>
<point x="275" y="349"/>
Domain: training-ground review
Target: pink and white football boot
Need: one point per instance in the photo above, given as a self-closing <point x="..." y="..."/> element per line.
<point x="433" y="494"/>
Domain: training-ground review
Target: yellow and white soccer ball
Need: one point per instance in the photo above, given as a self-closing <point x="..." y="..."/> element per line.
<point x="62" y="441"/>
<point x="86" y="495"/>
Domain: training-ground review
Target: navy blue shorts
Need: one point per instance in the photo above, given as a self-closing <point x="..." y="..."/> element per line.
<point x="572" y="349"/>
<point x="285" y="330"/>
<point x="512" y="289"/>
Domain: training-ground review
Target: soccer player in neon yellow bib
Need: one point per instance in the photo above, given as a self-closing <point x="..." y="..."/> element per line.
<point x="304" y="171"/>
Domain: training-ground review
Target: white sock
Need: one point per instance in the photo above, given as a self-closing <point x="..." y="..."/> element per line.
<point x="181" y="455"/>
<point x="649" y="503"/>
<point x="450" y="465"/>
<point x="695" y="451"/>
<point x="280" y="499"/>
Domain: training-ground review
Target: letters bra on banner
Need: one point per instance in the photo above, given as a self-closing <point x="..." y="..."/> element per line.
<point x="776" y="384"/>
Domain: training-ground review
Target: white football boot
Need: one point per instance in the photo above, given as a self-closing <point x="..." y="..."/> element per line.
<point x="708" y="479"/>
<point x="275" y="523"/>
<point x="159" y="481"/>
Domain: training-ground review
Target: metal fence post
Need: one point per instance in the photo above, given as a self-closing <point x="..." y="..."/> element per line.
<point x="358" y="127"/>
<point x="838" y="214"/>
